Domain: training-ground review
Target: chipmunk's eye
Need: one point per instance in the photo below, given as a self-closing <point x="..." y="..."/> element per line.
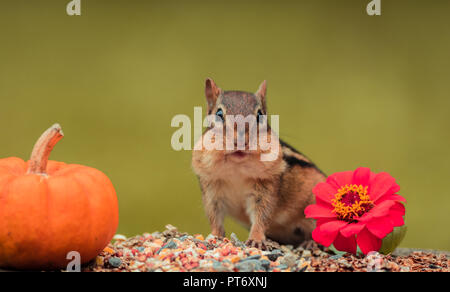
<point x="219" y="115"/>
<point x="259" y="117"/>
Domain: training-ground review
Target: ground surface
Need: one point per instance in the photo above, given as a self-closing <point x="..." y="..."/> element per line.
<point x="172" y="250"/>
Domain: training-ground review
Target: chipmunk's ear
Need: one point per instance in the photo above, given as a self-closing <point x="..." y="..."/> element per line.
<point x="261" y="94"/>
<point x="212" y="92"/>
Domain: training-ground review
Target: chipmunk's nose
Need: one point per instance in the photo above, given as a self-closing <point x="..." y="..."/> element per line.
<point x="241" y="135"/>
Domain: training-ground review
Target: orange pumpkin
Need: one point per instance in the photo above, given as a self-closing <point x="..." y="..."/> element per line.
<point x="49" y="208"/>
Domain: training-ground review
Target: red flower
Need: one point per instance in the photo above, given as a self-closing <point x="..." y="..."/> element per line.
<point x="356" y="208"/>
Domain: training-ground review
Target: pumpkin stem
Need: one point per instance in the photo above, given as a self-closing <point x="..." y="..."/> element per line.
<point x="43" y="148"/>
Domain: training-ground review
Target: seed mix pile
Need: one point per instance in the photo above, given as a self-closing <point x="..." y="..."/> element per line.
<point x="173" y="251"/>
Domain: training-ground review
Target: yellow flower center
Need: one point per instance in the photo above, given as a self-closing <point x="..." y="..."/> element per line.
<point x="351" y="202"/>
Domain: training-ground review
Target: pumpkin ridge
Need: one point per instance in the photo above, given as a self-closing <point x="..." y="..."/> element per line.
<point x="89" y="206"/>
<point x="13" y="236"/>
<point x="6" y="185"/>
<point x="66" y="170"/>
<point x="4" y="192"/>
<point x="5" y="165"/>
<point x="93" y="173"/>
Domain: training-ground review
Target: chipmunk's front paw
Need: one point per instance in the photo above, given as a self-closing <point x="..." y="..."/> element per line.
<point x="260" y="244"/>
<point x="309" y="244"/>
<point x="218" y="232"/>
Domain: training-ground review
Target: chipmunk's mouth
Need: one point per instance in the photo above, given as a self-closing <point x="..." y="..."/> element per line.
<point x="238" y="154"/>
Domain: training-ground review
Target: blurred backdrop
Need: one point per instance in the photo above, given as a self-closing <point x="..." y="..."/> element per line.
<point x="351" y="90"/>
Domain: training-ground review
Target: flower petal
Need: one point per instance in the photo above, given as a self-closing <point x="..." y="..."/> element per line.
<point x="322" y="238"/>
<point x="321" y="221"/>
<point x="379" y="210"/>
<point x="393" y="197"/>
<point x="361" y="176"/>
<point x="396" y="197"/>
<point x="397" y="221"/>
<point x="382" y="209"/>
<point x="398" y="209"/>
<point x="324" y="191"/>
<point x="327" y="232"/>
<point x="382" y="184"/>
<point x="394" y="189"/>
<point x="380" y="227"/>
<point x="396" y="214"/>
<point x="342" y="243"/>
<point x="323" y="203"/>
<point x="352" y="229"/>
<point x="339" y="179"/>
<point x="318" y="211"/>
<point x="367" y="242"/>
<point x="333" y="225"/>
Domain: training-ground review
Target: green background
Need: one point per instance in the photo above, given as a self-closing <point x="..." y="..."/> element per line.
<point x="351" y="90"/>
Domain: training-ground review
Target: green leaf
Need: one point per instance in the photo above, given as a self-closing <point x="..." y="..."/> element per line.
<point x="335" y="251"/>
<point x="393" y="239"/>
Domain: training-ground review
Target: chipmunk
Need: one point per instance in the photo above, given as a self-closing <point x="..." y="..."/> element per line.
<point x="268" y="197"/>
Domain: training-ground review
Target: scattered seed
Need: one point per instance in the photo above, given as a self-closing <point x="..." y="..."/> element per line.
<point x="115" y="262"/>
<point x="171" y="250"/>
